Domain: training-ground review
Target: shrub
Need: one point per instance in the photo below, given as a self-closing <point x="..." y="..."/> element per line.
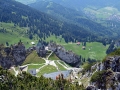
<point x="97" y="76"/>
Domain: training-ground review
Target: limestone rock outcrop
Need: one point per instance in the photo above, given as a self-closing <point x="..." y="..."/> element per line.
<point x="13" y="55"/>
<point x="110" y="79"/>
<point x="67" y="56"/>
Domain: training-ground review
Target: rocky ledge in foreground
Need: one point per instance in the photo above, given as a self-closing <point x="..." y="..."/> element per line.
<point x="106" y="75"/>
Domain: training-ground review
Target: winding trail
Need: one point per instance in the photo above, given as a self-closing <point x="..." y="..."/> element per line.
<point x="38" y="70"/>
<point x="49" y="55"/>
<point x="62" y="65"/>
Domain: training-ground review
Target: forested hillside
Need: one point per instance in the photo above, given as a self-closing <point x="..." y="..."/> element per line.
<point x="72" y="16"/>
<point x="39" y="23"/>
<point x="100" y="17"/>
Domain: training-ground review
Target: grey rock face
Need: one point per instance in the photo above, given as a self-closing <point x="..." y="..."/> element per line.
<point x="91" y="87"/>
<point x="111" y="77"/>
<point x="67" y="56"/>
<point x="6" y="62"/>
<point x="40" y="48"/>
<point x="12" y="55"/>
<point x="113" y="63"/>
<point x="19" y="53"/>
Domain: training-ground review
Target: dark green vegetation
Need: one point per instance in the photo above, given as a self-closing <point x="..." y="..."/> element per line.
<point x="104" y="79"/>
<point x="97" y="76"/>
<point x="87" y="67"/>
<point x="25" y="81"/>
<point x="116" y="52"/>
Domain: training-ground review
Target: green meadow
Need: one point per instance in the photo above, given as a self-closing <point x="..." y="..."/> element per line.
<point x="14" y="34"/>
<point x="47" y="69"/>
<point x="93" y="50"/>
<point x="53" y="57"/>
<point x="60" y="67"/>
<point x="33" y="58"/>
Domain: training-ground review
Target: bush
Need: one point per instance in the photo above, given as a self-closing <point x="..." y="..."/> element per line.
<point x="97" y="76"/>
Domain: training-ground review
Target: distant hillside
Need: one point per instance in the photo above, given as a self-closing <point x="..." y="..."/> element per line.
<point x="76" y="4"/>
<point x="26" y="1"/>
<point x="80" y="4"/>
<point x="75" y="17"/>
<point x="40" y="24"/>
<point x="56" y="10"/>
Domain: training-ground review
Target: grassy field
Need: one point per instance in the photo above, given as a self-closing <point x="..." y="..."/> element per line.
<point x="53" y="57"/>
<point x="14" y="34"/>
<point x="34" y="66"/>
<point x="62" y="62"/>
<point x="47" y="69"/>
<point x="93" y="50"/>
<point x="60" y="67"/>
<point x="33" y="58"/>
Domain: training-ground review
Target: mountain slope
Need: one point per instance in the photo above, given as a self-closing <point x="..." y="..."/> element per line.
<point x="72" y="16"/>
<point x="99" y="9"/>
<point x="26" y="1"/>
<point x="38" y="23"/>
<point x="80" y="4"/>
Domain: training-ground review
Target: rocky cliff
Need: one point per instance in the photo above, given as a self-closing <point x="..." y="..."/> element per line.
<point x="67" y="56"/>
<point x="106" y="75"/>
<point x="13" y="55"/>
